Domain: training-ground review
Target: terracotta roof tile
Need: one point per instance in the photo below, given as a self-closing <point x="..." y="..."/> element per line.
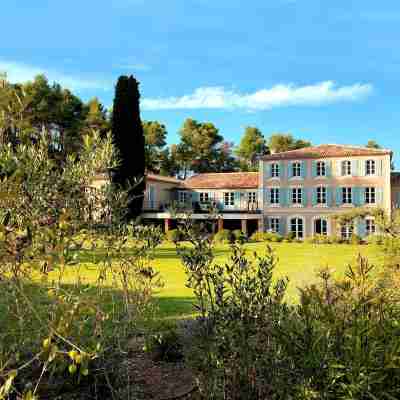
<point x="325" y="151"/>
<point x="223" y="180"/>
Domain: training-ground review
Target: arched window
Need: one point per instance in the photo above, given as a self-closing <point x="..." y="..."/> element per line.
<point x="321" y="226"/>
<point x="297" y="227"/>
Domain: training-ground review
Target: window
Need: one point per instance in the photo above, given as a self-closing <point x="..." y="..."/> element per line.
<point x="346" y="231"/>
<point x="370" y="167"/>
<point x="346" y="168"/>
<point x="274" y="224"/>
<point x="274" y="196"/>
<point x="297" y="228"/>
<point x="321" y="226"/>
<point x="275" y="170"/>
<point x="182" y="197"/>
<point x="252" y="197"/>
<point x="370" y="227"/>
<point x="204" y="197"/>
<point x="321" y="168"/>
<point x="296" y="196"/>
<point x="296" y="169"/>
<point x="321" y="195"/>
<point x="370" y="195"/>
<point x="346" y="195"/>
<point x="229" y="198"/>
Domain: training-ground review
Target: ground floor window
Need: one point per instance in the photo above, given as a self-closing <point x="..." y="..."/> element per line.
<point x="274" y="224"/>
<point x="229" y="198"/>
<point x="204" y="197"/>
<point x="346" y="231"/>
<point x="370" y="227"/>
<point x="321" y="226"/>
<point x="297" y="228"/>
<point x="183" y="197"/>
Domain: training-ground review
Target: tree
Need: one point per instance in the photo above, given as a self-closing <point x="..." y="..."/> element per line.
<point x="155" y="135"/>
<point x="251" y="145"/>
<point x="128" y="138"/>
<point x="279" y="142"/>
<point x="96" y="118"/>
<point x="372" y="144"/>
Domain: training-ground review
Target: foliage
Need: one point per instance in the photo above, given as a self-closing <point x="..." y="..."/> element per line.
<point x="155" y="135"/>
<point x="251" y="145"/>
<point x="165" y="345"/>
<point x="239" y="236"/>
<point x="224" y="236"/>
<point x="174" y="235"/>
<point x="52" y="323"/>
<point x="279" y="142"/>
<point x="128" y="138"/>
<point x="266" y="237"/>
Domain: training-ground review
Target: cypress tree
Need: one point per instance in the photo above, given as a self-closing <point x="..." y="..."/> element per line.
<point x="127" y="132"/>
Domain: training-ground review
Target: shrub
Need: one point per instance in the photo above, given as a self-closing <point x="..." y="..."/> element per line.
<point x="266" y="237"/>
<point x="239" y="236"/>
<point x="257" y="237"/>
<point x="173" y="235"/>
<point x="375" y="239"/>
<point x="165" y="346"/>
<point x="224" y="236"/>
<point x="355" y="239"/>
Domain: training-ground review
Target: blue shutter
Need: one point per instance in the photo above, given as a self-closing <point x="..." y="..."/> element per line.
<point x="304" y="200"/>
<point x="303" y="169"/>
<point x="289" y="173"/>
<point x="282" y="226"/>
<point x="281" y="169"/>
<point x="269" y="170"/>
<point x="314" y="196"/>
<point x="282" y="197"/>
<point x="338" y="196"/>
<point x="329" y="199"/>
<point x="313" y="169"/>
<point x="237" y="199"/>
<point x="328" y="168"/>
<point x="362" y="227"/>
<point x="355" y="196"/>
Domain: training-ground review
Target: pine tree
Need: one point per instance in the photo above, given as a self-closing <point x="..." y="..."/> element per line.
<point x="127" y="131"/>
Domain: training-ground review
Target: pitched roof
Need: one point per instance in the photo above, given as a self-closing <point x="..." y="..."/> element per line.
<point x="223" y="180"/>
<point x="161" y="178"/>
<point x="325" y="151"/>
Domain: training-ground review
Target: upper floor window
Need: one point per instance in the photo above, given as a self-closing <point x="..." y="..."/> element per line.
<point x="182" y="197"/>
<point x="275" y="170"/>
<point x="229" y="198"/>
<point x="321" y="168"/>
<point x="252" y="197"/>
<point x="296" y="196"/>
<point x="346" y="168"/>
<point x="204" y="197"/>
<point x="370" y="167"/>
<point x="347" y="197"/>
<point x="321" y="195"/>
<point x="274" y="224"/>
<point x="274" y="196"/>
<point x="370" y="195"/>
<point x="296" y="169"/>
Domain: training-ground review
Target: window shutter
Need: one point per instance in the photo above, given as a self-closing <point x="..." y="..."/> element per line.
<point x="354" y="167"/>
<point x="304" y="194"/>
<point x="289" y="172"/>
<point x="362" y="227"/>
<point x="282" y="226"/>
<point x="379" y="196"/>
<point x="379" y="167"/>
<point x="398" y="200"/>
<point x="269" y="170"/>
<point x="363" y="168"/>
<point x="237" y="199"/>
<point x="303" y="169"/>
<point x="314" y="196"/>
<point x="313" y="169"/>
<point x="338" y="196"/>
<point x="355" y="196"/>
<point x="329" y="197"/>
<point x="282" y="197"/>
<point x="328" y="168"/>
<point x="281" y="169"/>
<point x="339" y="169"/>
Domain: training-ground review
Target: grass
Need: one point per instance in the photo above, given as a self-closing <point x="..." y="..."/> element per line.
<point x="299" y="262"/>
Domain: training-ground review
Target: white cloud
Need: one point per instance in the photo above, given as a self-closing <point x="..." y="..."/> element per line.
<point x="17" y="72"/>
<point x="263" y="99"/>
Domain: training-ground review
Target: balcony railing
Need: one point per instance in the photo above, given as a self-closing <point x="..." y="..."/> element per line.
<point x="214" y="205"/>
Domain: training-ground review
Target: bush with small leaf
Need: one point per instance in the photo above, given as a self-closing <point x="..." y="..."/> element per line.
<point x="224" y="236"/>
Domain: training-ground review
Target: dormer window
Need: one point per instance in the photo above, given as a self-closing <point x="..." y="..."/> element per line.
<point x="321" y="168"/>
<point x="275" y="170"/>
<point x="370" y="167"/>
<point x="296" y="169"/>
<point x="346" y="168"/>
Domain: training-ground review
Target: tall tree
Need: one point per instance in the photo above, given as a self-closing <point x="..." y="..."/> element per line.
<point x="155" y="135"/>
<point x="96" y="118"/>
<point x="252" y="144"/>
<point x="128" y="137"/>
<point x="372" y="144"/>
<point x="279" y="142"/>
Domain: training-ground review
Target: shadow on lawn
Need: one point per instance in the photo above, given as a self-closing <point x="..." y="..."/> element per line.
<point x="175" y="307"/>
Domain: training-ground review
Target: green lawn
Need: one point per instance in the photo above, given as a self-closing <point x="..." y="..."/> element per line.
<point x="299" y="262"/>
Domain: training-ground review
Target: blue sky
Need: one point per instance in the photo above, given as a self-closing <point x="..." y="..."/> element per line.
<point x="326" y="71"/>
